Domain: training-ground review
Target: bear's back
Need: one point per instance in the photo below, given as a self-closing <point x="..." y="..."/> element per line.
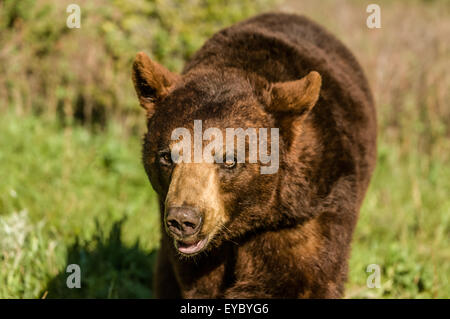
<point x="281" y="47"/>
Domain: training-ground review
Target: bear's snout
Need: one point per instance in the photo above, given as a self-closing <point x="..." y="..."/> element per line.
<point x="194" y="207"/>
<point x="183" y="221"/>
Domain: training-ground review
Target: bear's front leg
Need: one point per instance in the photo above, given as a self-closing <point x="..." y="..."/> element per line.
<point x="289" y="263"/>
<point x="165" y="283"/>
<point x="206" y="275"/>
<point x="247" y="289"/>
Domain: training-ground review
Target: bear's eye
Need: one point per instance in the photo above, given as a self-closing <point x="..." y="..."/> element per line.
<point x="230" y="163"/>
<point x="165" y="158"/>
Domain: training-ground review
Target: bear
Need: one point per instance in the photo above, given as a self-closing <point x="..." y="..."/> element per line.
<point x="229" y="230"/>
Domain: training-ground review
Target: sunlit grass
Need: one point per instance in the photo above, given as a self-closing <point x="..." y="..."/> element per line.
<point x="404" y="227"/>
<point x="62" y="184"/>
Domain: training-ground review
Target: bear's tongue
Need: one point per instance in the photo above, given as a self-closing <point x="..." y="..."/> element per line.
<point x="190" y="248"/>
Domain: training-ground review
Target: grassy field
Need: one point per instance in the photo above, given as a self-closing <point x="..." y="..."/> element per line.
<point x="76" y="192"/>
<point x="68" y="195"/>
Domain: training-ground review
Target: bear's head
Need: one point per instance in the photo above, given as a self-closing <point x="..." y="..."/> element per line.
<point x="215" y="148"/>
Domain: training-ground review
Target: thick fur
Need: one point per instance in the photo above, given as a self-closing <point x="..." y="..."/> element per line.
<point x="287" y="235"/>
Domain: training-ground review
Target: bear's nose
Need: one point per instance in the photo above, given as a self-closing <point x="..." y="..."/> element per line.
<point x="183" y="221"/>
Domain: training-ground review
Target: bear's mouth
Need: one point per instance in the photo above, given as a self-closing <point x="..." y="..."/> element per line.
<point x="191" y="248"/>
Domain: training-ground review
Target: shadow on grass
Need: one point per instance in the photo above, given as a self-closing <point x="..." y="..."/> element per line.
<point x="109" y="269"/>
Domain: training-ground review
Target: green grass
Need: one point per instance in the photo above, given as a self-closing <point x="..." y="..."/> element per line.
<point x="69" y="195"/>
<point x="404" y="227"/>
<point x="64" y="193"/>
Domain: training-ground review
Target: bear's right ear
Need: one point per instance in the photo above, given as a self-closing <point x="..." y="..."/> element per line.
<point x="152" y="81"/>
<point x="290" y="102"/>
<point x="296" y="97"/>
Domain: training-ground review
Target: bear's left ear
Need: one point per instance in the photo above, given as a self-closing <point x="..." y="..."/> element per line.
<point x="291" y="101"/>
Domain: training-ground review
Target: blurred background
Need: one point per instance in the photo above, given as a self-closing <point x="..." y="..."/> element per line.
<point x="72" y="187"/>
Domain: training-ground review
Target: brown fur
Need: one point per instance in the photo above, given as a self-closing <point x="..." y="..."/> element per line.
<point x="283" y="235"/>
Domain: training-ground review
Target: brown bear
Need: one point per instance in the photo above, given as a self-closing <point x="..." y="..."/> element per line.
<point x="229" y="230"/>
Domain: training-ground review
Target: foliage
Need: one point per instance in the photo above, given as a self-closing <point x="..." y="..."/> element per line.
<point x="86" y="72"/>
<point x="63" y="199"/>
